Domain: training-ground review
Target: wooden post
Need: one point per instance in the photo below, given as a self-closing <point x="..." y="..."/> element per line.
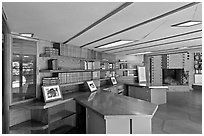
<point x="6" y="55"/>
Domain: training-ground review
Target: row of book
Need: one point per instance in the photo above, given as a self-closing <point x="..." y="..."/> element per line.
<point x="50" y="81"/>
<point x="51" y="51"/>
<point x="75" y="51"/>
<point x="107" y="74"/>
<point x="128" y="66"/>
<point x="65" y="77"/>
<point x="108" y="65"/>
<point x="96" y="74"/>
<point x="130" y="73"/>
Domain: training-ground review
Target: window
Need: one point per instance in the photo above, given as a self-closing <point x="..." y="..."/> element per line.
<point x="23" y="71"/>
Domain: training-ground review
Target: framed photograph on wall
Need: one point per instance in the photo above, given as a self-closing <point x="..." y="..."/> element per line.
<point x="113" y="80"/>
<point x="91" y="86"/>
<point x="51" y="93"/>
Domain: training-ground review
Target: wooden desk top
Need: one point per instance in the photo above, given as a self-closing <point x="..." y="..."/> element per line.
<point x="109" y="104"/>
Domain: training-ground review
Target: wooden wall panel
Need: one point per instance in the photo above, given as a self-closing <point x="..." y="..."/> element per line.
<point x="175" y="61"/>
<point x="157" y="70"/>
<point x="19" y="115"/>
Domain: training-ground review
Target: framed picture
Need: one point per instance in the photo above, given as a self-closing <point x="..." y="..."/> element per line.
<point x="91" y="86"/>
<point x="113" y="80"/>
<point x="51" y="93"/>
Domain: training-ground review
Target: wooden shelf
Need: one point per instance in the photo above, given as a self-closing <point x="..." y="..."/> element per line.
<point x="139" y="64"/>
<point x="62" y="130"/>
<point x="60" y="115"/>
<point x="64" y="70"/>
<point x="87" y="59"/>
<point x="129" y="69"/>
<point x="75" y="83"/>
<point x="108" y="69"/>
<point x="30" y="125"/>
<point x="49" y="55"/>
<point x="128" y="76"/>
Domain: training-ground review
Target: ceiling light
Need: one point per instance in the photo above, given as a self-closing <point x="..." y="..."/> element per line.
<point x="27" y="34"/>
<point x="115" y="43"/>
<point x="183" y="48"/>
<point x="187" y="23"/>
<point x="141" y="53"/>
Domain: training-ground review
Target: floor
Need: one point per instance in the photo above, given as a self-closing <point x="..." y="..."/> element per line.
<point x="182" y="114"/>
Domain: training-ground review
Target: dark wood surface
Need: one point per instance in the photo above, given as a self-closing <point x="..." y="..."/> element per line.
<point x="30" y="125"/>
<point x="112" y="104"/>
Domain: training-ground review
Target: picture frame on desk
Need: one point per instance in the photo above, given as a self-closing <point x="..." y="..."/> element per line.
<point x="91" y="86"/>
<point x="113" y="80"/>
<point x="51" y="93"/>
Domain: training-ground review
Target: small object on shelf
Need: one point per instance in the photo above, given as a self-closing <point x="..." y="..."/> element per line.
<point x="51" y="93"/>
<point x="51" y="51"/>
<point x="53" y="64"/>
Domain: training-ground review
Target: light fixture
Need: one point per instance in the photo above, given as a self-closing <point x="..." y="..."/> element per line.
<point x="115" y="43"/>
<point x="27" y="34"/>
<point x="187" y="23"/>
<point x="141" y="53"/>
<point x="190" y="22"/>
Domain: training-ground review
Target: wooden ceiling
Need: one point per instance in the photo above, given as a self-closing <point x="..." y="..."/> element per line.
<point x="90" y="24"/>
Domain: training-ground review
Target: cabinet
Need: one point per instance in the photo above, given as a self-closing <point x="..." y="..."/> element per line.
<point x="139" y="93"/>
<point x="55" y="117"/>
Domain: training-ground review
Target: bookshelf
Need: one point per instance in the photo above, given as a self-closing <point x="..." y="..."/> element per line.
<point x="89" y="67"/>
<point x="46" y="117"/>
<point x="127" y="71"/>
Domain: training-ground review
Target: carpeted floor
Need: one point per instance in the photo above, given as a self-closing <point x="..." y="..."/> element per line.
<point x="182" y="114"/>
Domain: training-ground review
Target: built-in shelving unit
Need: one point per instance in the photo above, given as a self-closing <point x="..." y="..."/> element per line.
<point x="69" y="67"/>
<point x="127" y="71"/>
<point x="62" y="130"/>
<point x="30" y="125"/>
<point x="60" y="115"/>
<point x="76" y="83"/>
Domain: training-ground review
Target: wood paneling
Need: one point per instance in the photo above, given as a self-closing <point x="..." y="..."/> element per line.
<point x="19" y="115"/>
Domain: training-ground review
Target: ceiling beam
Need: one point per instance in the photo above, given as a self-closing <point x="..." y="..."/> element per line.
<point x="175" y="51"/>
<point x="155" y="40"/>
<point x="145" y="22"/>
<point x="160" y="44"/>
<point x="121" y="7"/>
<point x="171" y="49"/>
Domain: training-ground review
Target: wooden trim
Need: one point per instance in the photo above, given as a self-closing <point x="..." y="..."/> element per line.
<point x="7" y="51"/>
<point x="145" y="22"/>
<point x="173" y="49"/>
<point x="121" y="7"/>
<point x="161" y="44"/>
<point x="155" y="40"/>
<point x="6" y="78"/>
